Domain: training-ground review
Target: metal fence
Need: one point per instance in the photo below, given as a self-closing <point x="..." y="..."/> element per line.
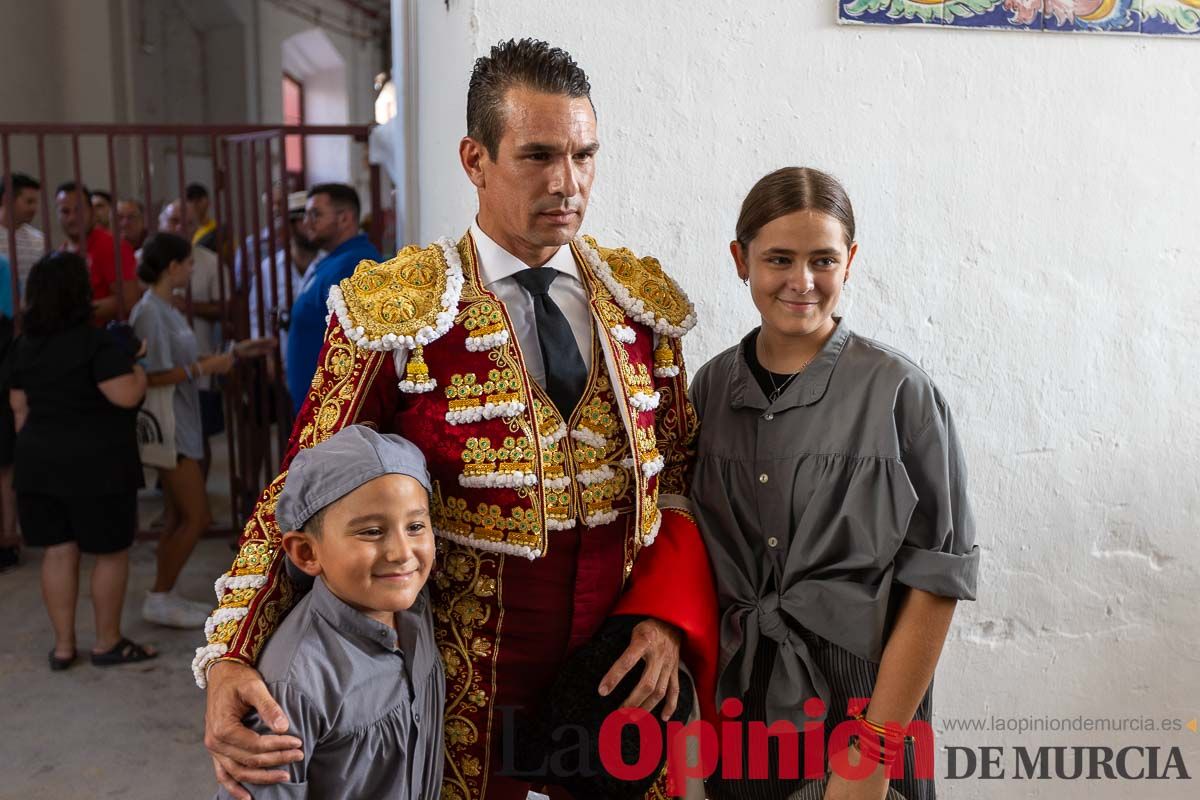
<point x="248" y="175"/>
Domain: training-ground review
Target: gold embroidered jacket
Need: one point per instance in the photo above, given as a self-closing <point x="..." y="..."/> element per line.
<point x="417" y="346"/>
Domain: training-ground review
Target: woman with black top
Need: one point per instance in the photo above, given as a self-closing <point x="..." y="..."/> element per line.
<point x="74" y="391"/>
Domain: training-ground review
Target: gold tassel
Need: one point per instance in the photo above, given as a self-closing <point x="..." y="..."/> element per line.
<point x="416" y="373"/>
<point x="664" y="356"/>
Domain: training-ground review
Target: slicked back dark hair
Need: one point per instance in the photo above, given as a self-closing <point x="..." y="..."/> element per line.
<point x="518" y="62"/>
<point x="19" y="181"/>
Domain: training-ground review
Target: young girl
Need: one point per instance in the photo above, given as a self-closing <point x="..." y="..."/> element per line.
<point x="830" y="490"/>
<point x="173" y="359"/>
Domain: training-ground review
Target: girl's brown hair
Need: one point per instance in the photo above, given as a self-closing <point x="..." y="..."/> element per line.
<point x="792" y="189"/>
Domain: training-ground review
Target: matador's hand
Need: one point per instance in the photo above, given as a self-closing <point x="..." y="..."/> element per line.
<point x="239" y="754"/>
<point x="656" y="643"/>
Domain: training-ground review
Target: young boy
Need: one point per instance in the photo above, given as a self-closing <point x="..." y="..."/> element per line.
<point x="354" y="665"/>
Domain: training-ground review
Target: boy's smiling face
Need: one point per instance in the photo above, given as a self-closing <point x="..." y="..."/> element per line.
<point x="374" y="547"/>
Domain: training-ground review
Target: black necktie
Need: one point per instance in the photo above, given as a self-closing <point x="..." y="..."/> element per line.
<point x="566" y="375"/>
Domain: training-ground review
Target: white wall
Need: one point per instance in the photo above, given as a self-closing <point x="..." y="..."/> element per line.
<point x="57" y="65"/>
<point x="312" y="58"/>
<point x="1027" y="212"/>
<point x="339" y="95"/>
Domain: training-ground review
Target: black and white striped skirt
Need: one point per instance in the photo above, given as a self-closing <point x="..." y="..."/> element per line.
<point x="849" y="676"/>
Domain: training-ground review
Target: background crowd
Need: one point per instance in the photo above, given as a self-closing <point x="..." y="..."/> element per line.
<point x="115" y="343"/>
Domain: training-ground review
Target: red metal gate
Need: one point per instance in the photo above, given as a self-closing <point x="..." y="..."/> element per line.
<point x="253" y="227"/>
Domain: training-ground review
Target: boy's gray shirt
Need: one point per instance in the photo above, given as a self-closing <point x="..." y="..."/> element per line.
<point x="365" y="700"/>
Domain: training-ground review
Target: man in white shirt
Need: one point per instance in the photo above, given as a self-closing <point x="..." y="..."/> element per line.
<point x="19" y="213"/>
<point x="497" y="268"/>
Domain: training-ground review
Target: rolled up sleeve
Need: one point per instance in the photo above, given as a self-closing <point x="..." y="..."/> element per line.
<point x="939" y="554"/>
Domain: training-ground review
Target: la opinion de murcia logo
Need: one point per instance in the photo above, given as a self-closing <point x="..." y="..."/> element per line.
<point x="1065" y="763"/>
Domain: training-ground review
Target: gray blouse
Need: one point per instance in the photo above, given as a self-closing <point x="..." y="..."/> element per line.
<point x="366" y="701"/>
<point x="171" y="343"/>
<point x="813" y="507"/>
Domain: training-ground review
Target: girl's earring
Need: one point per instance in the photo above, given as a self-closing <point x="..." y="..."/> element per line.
<point x="746" y="281"/>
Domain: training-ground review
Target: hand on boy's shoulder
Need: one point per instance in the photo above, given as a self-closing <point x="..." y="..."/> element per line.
<point x="241" y="755"/>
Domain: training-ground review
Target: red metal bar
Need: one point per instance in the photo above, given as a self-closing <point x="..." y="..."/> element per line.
<point x="376" y="231"/>
<point x="272" y="212"/>
<point x="257" y="237"/>
<point x="250" y="396"/>
<point x="287" y="224"/>
<point x="218" y="215"/>
<point x="147" y="194"/>
<point x="232" y="383"/>
<point x="261" y="445"/>
<point x="41" y="150"/>
<point x="283" y="398"/>
<point x="11" y="223"/>
<point x="223" y="300"/>
<point x="246" y="484"/>
<point x="303" y="140"/>
<point x="78" y="180"/>
<point x="359" y="132"/>
<point x="243" y="280"/>
<point x="187" y="224"/>
<point x="116" y="235"/>
<point x="272" y="221"/>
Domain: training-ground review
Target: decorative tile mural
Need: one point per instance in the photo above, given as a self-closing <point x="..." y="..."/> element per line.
<point x="1145" y="17"/>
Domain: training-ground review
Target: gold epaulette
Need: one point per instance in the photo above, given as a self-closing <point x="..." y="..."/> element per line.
<point x="405" y="302"/>
<point x="641" y="288"/>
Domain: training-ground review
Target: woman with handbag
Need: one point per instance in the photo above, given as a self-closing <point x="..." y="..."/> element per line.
<point x="173" y="362"/>
<point x="74" y="392"/>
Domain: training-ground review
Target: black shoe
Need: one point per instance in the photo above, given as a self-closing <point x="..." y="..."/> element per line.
<point x="10" y="558"/>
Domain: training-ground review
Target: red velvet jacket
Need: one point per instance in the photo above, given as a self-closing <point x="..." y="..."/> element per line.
<point x="508" y="470"/>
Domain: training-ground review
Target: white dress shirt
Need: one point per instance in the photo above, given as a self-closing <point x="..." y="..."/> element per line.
<point x="31" y="246"/>
<point x="497" y="267"/>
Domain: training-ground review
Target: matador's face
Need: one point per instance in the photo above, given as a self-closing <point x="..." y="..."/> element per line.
<point x="534" y="190"/>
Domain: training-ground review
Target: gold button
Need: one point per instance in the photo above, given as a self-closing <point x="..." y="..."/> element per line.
<point x="772" y="542"/>
<point x="763" y="478"/>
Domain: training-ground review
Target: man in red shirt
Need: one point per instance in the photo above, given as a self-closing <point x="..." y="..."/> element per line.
<point x="96" y="244"/>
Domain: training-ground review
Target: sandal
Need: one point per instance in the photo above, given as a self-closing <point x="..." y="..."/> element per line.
<point x="123" y="652"/>
<point x="59" y="664"/>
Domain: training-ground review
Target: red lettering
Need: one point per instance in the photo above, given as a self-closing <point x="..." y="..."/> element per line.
<point x="679" y="766"/>
<point x="649" y="752"/>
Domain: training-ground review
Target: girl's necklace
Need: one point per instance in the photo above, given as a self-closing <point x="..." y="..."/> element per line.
<point x="779" y="389"/>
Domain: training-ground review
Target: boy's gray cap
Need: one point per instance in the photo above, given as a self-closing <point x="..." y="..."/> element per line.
<point x="334" y="468"/>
